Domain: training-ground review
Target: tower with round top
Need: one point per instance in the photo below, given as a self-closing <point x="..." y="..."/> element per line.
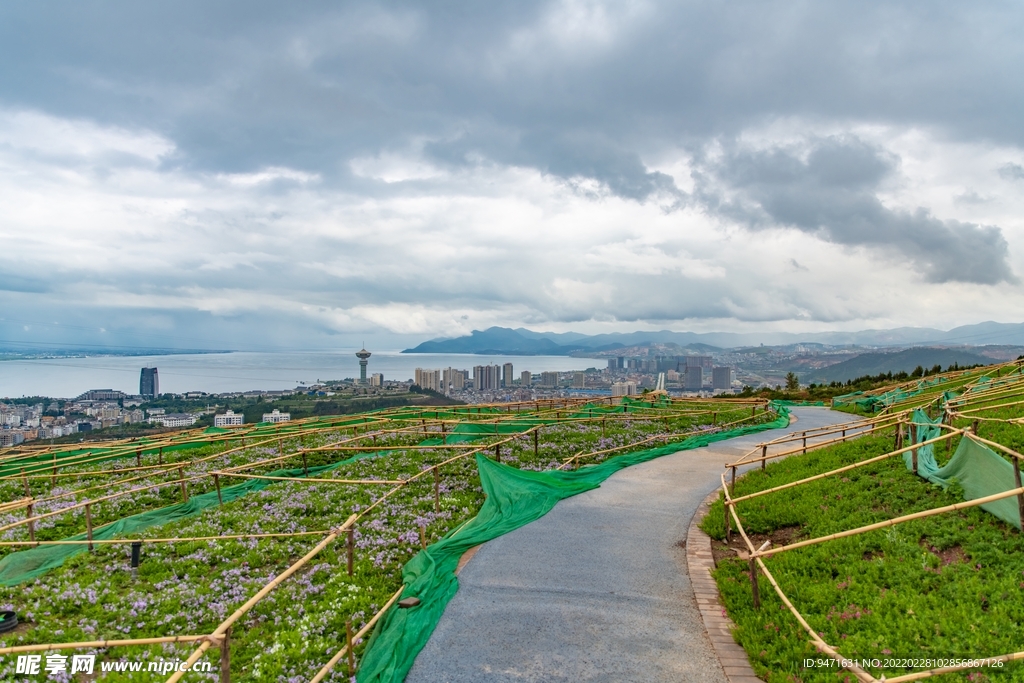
<point x="364" y="358"/>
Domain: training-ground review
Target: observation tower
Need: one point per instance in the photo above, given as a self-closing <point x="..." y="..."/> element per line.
<point x="364" y="358"/>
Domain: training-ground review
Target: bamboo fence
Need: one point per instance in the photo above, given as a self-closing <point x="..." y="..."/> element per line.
<point x="757" y="555"/>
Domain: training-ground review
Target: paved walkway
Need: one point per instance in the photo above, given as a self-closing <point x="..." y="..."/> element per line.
<point x="597" y="589"/>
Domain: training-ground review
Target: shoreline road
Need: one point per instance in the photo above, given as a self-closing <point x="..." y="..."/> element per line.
<point x="597" y="589"/>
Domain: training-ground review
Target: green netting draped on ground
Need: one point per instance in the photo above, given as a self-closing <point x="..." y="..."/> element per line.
<point x="514" y="499"/>
<point x="979" y="470"/>
<point x="875" y="401"/>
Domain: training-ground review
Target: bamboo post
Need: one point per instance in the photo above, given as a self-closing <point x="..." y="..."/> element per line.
<point x="88" y="523"/>
<point x="280" y="446"/>
<point x="423" y="536"/>
<point x="733" y="486"/>
<point x="728" y="526"/>
<point x="753" y="583"/>
<point x="305" y="468"/>
<point x="53" y="477"/>
<point x="138" y="457"/>
<point x="437" y="490"/>
<point x="351" y="655"/>
<point x="805" y="443"/>
<point x="602" y="429"/>
<point x="32" y="524"/>
<point x="160" y="455"/>
<point x="225" y="657"/>
<point x="351" y="550"/>
<point x="1020" y="497"/>
<point x="753" y="411"/>
<point x="24" y="480"/>
<point x="913" y="441"/>
<point x="216" y="482"/>
<point x="181" y="483"/>
<point x="764" y="456"/>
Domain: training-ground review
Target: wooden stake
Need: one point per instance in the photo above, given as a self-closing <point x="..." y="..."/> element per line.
<point x="913" y="440"/>
<point x="753" y="584"/>
<point x="974" y="427"/>
<point x="764" y="456"/>
<point x="305" y="468"/>
<point x="225" y="657"/>
<point x="88" y="524"/>
<point x="728" y="526"/>
<point x="714" y="418"/>
<point x="437" y="490"/>
<point x="216" y="482"/>
<point x="160" y="454"/>
<point x="423" y="536"/>
<point x="805" y="443"/>
<point x="351" y="655"/>
<point x="733" y="486"/>
<point x="1020" y="497"/>
<point x="24" y="479"/>
<point x="138" y="457"/>
<point x="181" y="483"/>
<point x="497" y="452"/>
<point x="536" y="438"/>
<point x="32" y="524"/>
<point x="351" y="550"/>
<point x="53" y="477"/>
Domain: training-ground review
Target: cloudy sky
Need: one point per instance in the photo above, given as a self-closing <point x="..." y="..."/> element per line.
<point x="289" y="175"/>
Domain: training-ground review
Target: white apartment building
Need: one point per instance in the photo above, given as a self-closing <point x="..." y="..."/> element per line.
<point x="229" y="419"/>
<point x="276" y="416"/>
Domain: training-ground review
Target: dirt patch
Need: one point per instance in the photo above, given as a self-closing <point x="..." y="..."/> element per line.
<point x="952" y="555"/>
<point x="873" y="555"/>
<point x="737" y="548"/>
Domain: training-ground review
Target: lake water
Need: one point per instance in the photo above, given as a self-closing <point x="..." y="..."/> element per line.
<point x="241" y="371"/>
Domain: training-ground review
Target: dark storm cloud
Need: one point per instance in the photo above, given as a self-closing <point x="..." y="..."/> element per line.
<point x="831" y="191"/>
<point x="577" y="89"/>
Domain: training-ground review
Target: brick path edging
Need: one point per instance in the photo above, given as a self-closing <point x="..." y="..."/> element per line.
<point x="699" y="563"/>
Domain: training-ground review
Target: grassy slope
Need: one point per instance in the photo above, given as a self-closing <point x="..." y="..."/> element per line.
<point x="947" y="586"/>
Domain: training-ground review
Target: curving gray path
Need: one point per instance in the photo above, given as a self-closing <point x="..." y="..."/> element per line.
<point x="597" y="589"/>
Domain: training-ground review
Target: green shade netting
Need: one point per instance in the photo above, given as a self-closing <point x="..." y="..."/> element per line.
<point x="25" y="565"/>
<point x="514" y="499"/>
<point x="33" y="563"/>
<point x="979" y="470"/>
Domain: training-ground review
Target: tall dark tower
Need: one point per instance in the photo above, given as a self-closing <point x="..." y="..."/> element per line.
<point x="364" y="358"/>
<point x="149" y="383"/>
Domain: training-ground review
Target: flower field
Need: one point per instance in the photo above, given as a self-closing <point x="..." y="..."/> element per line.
<point x="325" y="475"/>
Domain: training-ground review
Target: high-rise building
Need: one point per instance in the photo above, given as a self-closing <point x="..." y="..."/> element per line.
<point x="507" y="374"/>
<point x="428" y="379"/>
<point x="613" y="363"/>
<point x="364" y="358"/>
<point x="149" y="383"/>
<point x="453" y="380"/>
<point x="624" y="389"/>
<point x="486" y="377"/>
<point x="703" y="362"/>
<point x="693" y="380"/>
<point x="526" y="378"/>
<point x="549" y="379"/>
<point x="377" y="379"/>
<point x="721" y="379"/>
<point x="579" y="380"/>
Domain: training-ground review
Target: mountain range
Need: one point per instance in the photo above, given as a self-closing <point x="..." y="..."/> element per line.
<point x="523" y="342"/>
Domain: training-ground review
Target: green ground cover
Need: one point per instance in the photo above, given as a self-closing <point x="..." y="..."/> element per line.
<point x="945" y="586"/>
<point x="191" y="587"/>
